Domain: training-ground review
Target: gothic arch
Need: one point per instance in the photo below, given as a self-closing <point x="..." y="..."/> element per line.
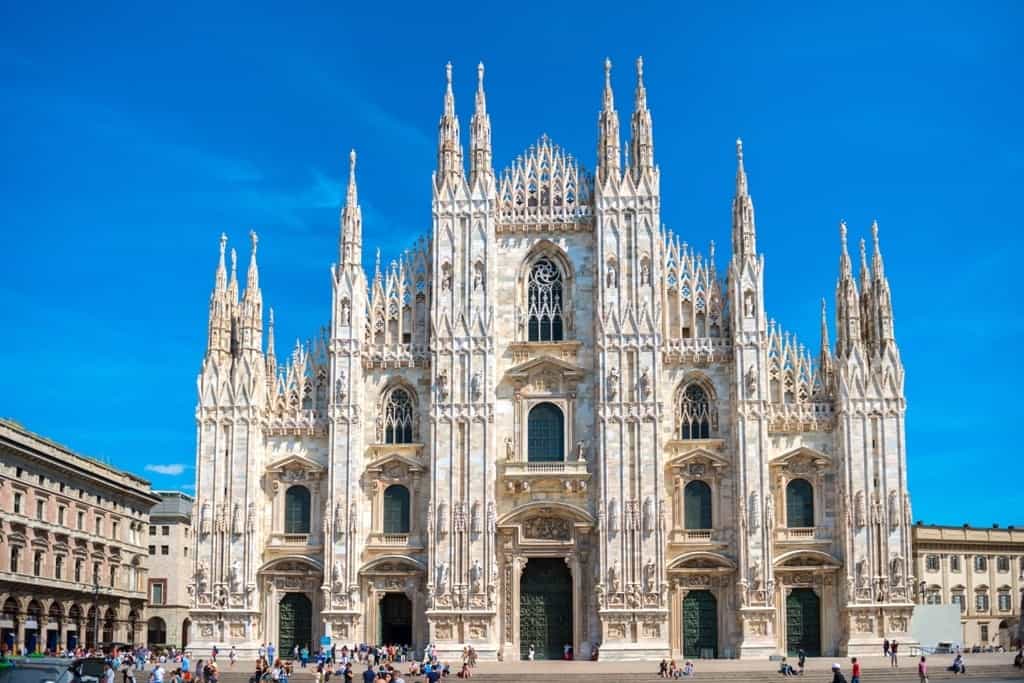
<point x="815" y="555"/>
<point x="271" y="565"/>
<point x="410" y="562"/>
<point x="574" y="512"/>
<point x="696" y="407"/>
<point x="398" y="420"/>
<point x="544" y="312"/>
<point x="680" y="561"/>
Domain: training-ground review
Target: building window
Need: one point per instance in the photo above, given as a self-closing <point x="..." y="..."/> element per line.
<point x="99" y="526"/>
<point x="78" y="571"/>
<point x="931" y="563"/>
<point x="152" y="550"/>
<point x="37" y="564"/>
<point x="296" y="510"/>
<point x="544" y="301"/>
<point x="19" y="472"/>
<point x="980" y="563"/>
<point x="697" y="505"/>
<point x="113" y="530"/>
<point x="61" y="513"/>
<point x="113" y="575"/>
<point x="694" y="413"/>
<point x="185" y="550"/>
<point x="1003" y="564"/>
<point x="983" y="628"/>
<point x="954" y="563"/>
<point x="40" y="509"/>
<point x="958" y="599"/>
<point x="981" y="602"/>
<point x="96" y="572"/>
<point x="799" y="504"/>
<point x="165" y="550"/>
<point x="396" y="509"/>
<point x="165" y="530"/>
<point x="546" y="434"/>
<point x="398" y="417"/>
<point x="156" y="593"/>
<point x="58" y="567"/>
<point x="933" y="596"/>
<point x="17" y="503"/>
<point x="15" y="559"/>
<point x="1004" y="601"/>
<point x="152" y="531"/>
<point x="81" y="521"/>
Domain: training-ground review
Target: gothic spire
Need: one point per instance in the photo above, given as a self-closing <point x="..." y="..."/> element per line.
<point x="876" y="260"/>
<point x="219" y="329"/>
<point x="744" y="235"/>
<point x="865" y="273"/>
<point x="449" y="143"/>
<point x="641" y="129"/>
<point x="480" y="132"/>
<point x="233" y="282"/>
<point x="271" y="349"/>
<point x="608" y="155"/>
<point x="848" y="330"/>
<point x="221" y="278"/>
<point x="882" y="295"/>
<point x="825" y="353"/>
<point x="351" y="247"/>
<point x="252" y="278"/>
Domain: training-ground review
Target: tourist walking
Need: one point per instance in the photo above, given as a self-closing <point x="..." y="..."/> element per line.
<point x="854" y="671"/>
<point x="801" y="660"/>
<point x="837" y="674"/>
<point x="885" y="648"/>
<point x="893" y="646"/>
<point x="922" y="670"/>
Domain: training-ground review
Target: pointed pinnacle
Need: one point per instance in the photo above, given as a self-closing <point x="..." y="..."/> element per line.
<point x="640" y="71"/>
<point x="234" y="263"/>
<point x="352" y="197"/>
<point x="842" y="233"/>
<point x="609" y="98"/>
<point x="253" y="240"/>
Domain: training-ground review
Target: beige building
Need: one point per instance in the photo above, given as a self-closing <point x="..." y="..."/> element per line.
<point x="169" y="563"/>
<point x="72" y="553"/>
<point x="979" y="569"/>
<point x="554" y="421"/>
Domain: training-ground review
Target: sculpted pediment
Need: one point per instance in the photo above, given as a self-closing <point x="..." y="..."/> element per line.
<point x="295" y="466"/>
<point x="394" y="466"/>
<point x="697" y="461"/>
<point x="802" y="460"/>
<point x="545" y="374"/>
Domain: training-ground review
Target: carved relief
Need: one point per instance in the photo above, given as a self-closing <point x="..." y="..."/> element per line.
<point x="548" y="528"/>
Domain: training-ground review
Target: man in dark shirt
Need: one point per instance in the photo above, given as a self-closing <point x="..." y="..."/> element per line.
<point x="369" y="676"/>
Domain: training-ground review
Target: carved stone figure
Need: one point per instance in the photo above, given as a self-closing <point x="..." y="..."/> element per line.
<point x="235" y="577"/>
<point x="755" y="512"/>
<point x="894" y="510"/>
<point x="236" y="519"/>
<point x="204" y="519"/>
<point x="250" y="523"/>
<point x="492" y="519"/>
<point x="769" y="511"/>
<point x="649" y="572"/>
<point x="202" y="578"/>
<point x="353" y="519"/>
<point x="510" y="452"/>
<point x="340" y="390"/>
<point x="580" y="445"/>
<point x="476" y="575"/>
<point x="478" y="276"/>
<point x="751" y="380"/>
<point x="611" y="276"/>
<point x="475" y="387"/>
<point x="859" y="511"/>
<point x="346" y="312"/>
<point x="442" y="385"/>
<point x="612" y="387"/>
<point x="614" y="583"/>
<point x="442" y="578"/>
<point x="613" y="516"/>
<point x="645" y="273"/>
<point x="755" y="575"/>
<point x="644" y="384"/>
<point x="548" y="528"/>
<point x="648" y="516"/>
<point x="896" y="570"/>
<point x="442" y="519"/>
<point x="476" y="518"/>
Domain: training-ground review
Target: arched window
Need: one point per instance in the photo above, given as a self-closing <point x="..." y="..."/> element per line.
<point x="296" y="510"/>
<point x="544" y="301"/>
<point x="546" y="428"/>
<point x="398" y="417"/>
<point x="156" y="631"/>
<point x="697" y="505"/>
<point x="396" y="509"/>
<point x="694" y="413"/>
<point x="799" y="504"/>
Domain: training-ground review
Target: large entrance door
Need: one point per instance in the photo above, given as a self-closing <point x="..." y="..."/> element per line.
<point x="396" y="619"/>
<point x="295" y="623"/>
<point x="700" y="624"/>
<point x="545" y="608"/>
<point x="803" y="622"/>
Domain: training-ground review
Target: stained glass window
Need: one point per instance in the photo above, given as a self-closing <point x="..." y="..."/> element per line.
<point x="546" y="434"/>
<point x="694" y="413"/>
<point x="544" y="301"/>
<point x="398" y="418"/>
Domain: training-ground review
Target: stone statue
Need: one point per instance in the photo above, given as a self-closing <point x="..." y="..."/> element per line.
<point x="251" y="518"/>
<point x="755" y="575"/>
<point x="644" y="385"/>
<point x="476" y="575"/>
<point x="202" y="578"/>
<point x="510" y="449"/>
<point x="339" y="387"/>
<point x="610" y="276"/>
<point x="492" y="521"/>
<point x="235" y="577"/>
<point x="475" y="388"/>
<point x="442" y="578"/>
<point x="204" y="518"/>
<point x="648" y="515"/>
<point x="894" y="510"/>
<point x="649" y="576"/>
<point x="442" y="519"/>
<point x="751" y="379"/>
<point x="476" y="519"/>
<point x="236" y="519"/>
<point x="613" y="384"/>
<point x="327" y="520"/>
<point x="896" y="570"/>
<point x="645" y="273"/>
<point x="754" y="511"/>
<point x="580" y="445"/>
<point x="353" y="519"/>
<point x="613" y="577"/>
<point x="346" y="312"/>
<point x="859" y="511"/>
<point x="862" y="573"/>
<point x="442" y="385"/>
<point x="769" y="511"/>
<point x="478" y="276"/>
<point x="613" y="516"/>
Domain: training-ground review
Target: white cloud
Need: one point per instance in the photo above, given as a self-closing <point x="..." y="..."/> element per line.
<point x="172" y="470"/>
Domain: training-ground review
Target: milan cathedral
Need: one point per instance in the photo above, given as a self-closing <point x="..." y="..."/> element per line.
<point x="553" y="423"/>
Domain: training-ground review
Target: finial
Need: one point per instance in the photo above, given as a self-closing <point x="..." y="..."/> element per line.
<point x="223" y="243"/>
<point x="271" y="317"/>
<point x="234" y="263"/>
<point x="352" y="162"/>
<point x="640" y="70"/>
<point x="480" y="75"/>
<point x="874" y="232"/>
<point x="607" y="72"/>
<point x="842" y="232"/>
<point x="448" y="74"/>
<point x="378" y="262"/>
<point x="739" y="149"/>
<point x="863" y="253"/>
<point x="254" y="240"/>
<point x="351" y="198"/>
<point x="711" y="252"/>
<point x="823" y="309"/>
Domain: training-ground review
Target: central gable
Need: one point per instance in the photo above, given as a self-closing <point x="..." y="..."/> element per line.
<point x="545" y="186"/>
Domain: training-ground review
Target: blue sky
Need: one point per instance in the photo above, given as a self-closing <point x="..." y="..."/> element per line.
<point x="134" y="134"/>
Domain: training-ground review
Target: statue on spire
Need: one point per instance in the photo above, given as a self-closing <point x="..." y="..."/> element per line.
<point x="744" y="234"/>
<point x="480" y="132"/>
<point x="608" y="153"/>
<point x="449" y="144"/>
